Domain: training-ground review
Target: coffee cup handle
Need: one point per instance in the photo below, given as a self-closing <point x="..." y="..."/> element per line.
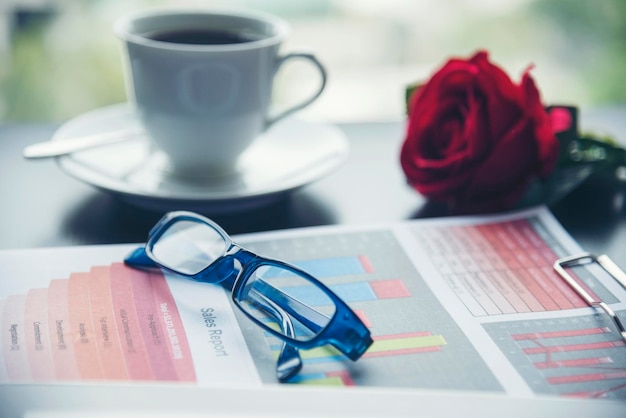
<point x="306" y="56"/>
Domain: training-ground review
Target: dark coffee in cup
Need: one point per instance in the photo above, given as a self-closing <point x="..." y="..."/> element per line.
<point x="202" y="36"/>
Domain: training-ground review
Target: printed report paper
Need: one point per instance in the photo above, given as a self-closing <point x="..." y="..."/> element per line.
<point x="455" y="304"/>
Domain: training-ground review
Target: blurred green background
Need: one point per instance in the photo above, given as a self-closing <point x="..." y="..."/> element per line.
<point x="59" y="58"/>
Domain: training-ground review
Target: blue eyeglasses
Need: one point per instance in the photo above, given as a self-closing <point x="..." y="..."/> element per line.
<point x="265" y="290"/>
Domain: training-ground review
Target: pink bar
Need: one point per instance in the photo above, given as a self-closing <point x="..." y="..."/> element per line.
<point x="583" y="394"/>
<point x="344" y="375"/>
<point x="524" y="293"/>
<point x="13" y="341"/>
<point x="494" y="260"/>
<point x="154" y="337"/>
<point x="479" y="242"/>
<point x="568" y="293"/>
<point x="131" y="340"/>
<point x="59" y="327"/>
<point x="499" y="279"/>
<point x="574" y="347"/>
<point x="591" y="377"/>
<point x="509" y="259"/>
<point x="366" y="263"/>
<point x="390" y="289"/>
<point x="486" y="282"/>
<point x="363" y="317"/>
<point x="497" y="236"/>
<point x="536" y="259"/>
<point x="505" y="236"/>
<point x="582" y="362"/>
<point x="523" y="259"/>
<point x="561" y="334"/>
<point x="531" y="235"/>
<point x="37" y="336"/>
<point x="516" y="231"/>
<point x="548" y="254"/>
<point x="473" y="287"/>
<point x="103" y="316"/>
<point x="174" y="331"/>
<point x="531" y="279"/>
<point x="82" y="328"/>
<point x="558" y="290"/>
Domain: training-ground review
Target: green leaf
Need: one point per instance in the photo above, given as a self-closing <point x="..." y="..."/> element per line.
<point x="408" y="92"/>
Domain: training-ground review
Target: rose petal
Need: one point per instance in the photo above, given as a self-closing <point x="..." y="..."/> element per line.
<point x="475" y="138"/>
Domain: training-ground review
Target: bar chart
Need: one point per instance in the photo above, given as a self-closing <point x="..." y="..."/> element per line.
<point x="413" y="335"/>
<point x="579" y="356"/>
<point x="110" y="323"/>
<point x="504" y="268"/>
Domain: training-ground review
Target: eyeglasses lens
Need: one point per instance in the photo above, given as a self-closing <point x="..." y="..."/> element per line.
<point x="188" y="247"/>
<point x="281" y="299"/>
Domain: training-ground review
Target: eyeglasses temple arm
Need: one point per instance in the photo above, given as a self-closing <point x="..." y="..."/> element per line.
<point x="560" y="265"/>
<point x="289" y="361"/>
<point x="613" y="269"/>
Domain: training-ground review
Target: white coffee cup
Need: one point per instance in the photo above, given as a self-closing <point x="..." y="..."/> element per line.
<point x="203" y="104"/>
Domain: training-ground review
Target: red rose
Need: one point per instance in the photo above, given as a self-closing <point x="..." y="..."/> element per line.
<point x="476" y="140"/>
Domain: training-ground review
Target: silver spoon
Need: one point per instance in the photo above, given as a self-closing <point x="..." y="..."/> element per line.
<point x="60" y="147"/>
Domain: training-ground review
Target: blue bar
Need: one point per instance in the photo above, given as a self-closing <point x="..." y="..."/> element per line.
<point x="354" y="292"/>
<point x="332" y="267"/>
<point x="349" y="292"/>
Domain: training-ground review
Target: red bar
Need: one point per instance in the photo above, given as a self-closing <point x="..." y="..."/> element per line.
<point x="555" y="289"/>
<point x="579" y="378"/>
<point x="480" y="242"/>
<point x="509" y="259"/>
<point x="573" y="347"/>
<point x="522" y="259"/>
<point x="516" y="230"/>
<point x="536" y="259"/>
<point x="573" y="363"/>
<point x="573" y="299"/>
<point x="489" y="234"/>
<point x="518" y="286"/>
<point x="540" y="294"/>
<point x="529" y="232"/>
<point x="560" y="334"/>
<point x="548" y="254"/>
<point x="586" y="377"/>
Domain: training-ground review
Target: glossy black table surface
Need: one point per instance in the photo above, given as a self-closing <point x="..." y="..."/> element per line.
<point x="42" y="206"/>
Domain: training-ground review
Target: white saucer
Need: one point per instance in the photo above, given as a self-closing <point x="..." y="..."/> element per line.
<point x="289" y="155"/>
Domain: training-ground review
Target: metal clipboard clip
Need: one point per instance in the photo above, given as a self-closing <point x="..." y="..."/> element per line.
<point x="608" y="265"/>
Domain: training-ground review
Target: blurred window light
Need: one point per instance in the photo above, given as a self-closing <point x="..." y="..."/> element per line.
<point x="60" y="57"/>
